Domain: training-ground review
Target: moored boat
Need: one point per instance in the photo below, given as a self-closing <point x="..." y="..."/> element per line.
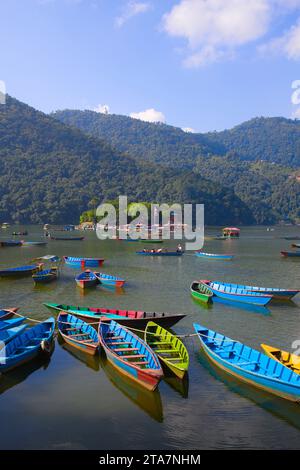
<point x="28" y="345"/>
<point x="295" y="245"/>
<point x="109" y="280"/>
<point x="201" y="292"/>
<point x="131" y="318"/>
<point x="69" y="239"/>
<point x="6" y="243"/>
<point x="249" y="365"/>
<point x="6" y="313"/>
<point x="78" y="333"/>
<point x="170" y="349"/>
<point x="237" y="294"/>
<point x="290" y="254"/>
<point x="45" y="276"/>
<point x="14" y="234"/>
<point x="159" y="253"/>
<point x="27" y="243"/>
<point x="21" y="271"/>
<point x="214" y="256"/>
<point x="78" y="262"/>
<point x="86" y="279"/>
<point x="277" y="293"/>
<point x="149" y="240"/>
<point x="290" y="360"/>
<point x="130" y="354"/>
<point x="8" y="334"/>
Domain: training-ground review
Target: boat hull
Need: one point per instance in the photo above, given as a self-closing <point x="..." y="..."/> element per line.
<point x="276" y="293"/>
<point x="212" y="256"/>
<point x="249" y="298"/>
<point x="83" y="328"/>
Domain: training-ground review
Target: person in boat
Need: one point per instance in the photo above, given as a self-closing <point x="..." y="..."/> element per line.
<point x="179" y="248"/>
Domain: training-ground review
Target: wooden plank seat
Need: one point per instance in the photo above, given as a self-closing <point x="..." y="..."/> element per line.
<point x="133" y="356"/>
<point x="166" y="351"/>
<point x="140" y="363"/>
<point x="112" y="343"/>
<point x="79" y="334"/>
<point x="125" y="349"/>
<point x="158" y="342"/>
<point x="114" y="337"/>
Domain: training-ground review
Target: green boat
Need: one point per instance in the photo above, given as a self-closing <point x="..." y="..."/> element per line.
<point x="170" y="350"/>
<point x="201" y="292"/>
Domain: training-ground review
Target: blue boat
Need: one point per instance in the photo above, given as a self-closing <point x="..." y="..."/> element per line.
<point x="277" y="293"/>
<point x="78" y="333"/>
<point x="130" y="354"/>
<point x="109" y="280"/>
<point x="5" y="243"/>
<point x="25" y="243"/>
<point x="9" y="334"/>
<point x="236" y="294"/>
<point x="45" y="276"/>
<point x="20" y="271"/>
<point x="213" y="256"/>
<point x="7" y="313"/>
<point x="5" y="324"/>
<point x="249" y="365"/>
<point x="77" y="262"/>
<point x="28" y="345"/>
<point x="159" y="253"/>
<point x="290" y="254"/>
<point x="86" y="279"/>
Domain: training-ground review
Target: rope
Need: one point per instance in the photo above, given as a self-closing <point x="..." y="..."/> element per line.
<point x="28" y="318"/>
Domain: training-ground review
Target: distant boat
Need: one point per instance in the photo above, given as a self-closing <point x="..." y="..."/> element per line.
<point x="214" y="256"/>
<point x="249" y="365"/>
<point x="130" y="318"/>
<point x="5" y="243"/>
<point x="27" y="346"/>
<point x="20" y="233"/>
<point x="77" y="333"/>
<point x="290" y="254"/>
<point x="86" y="279"/>
<point x="201" y="292"/>
<point x="159" y="253"/>
<point x="20" y="271"/>
<point x="149" y="240"/>
<point x="108" y="280"/>
<point x="295" y="237"/>
<point x="45" y="276"/>
<point x="27" y="243"/>
<point x="70" y="239"/>
<point x="130" y="355"/>
<point x="83" y="262"/>
<point x="237" y="294"/>
<point x="277" y="293"/>
<point x="5" y="225"/>
<point x="296" y="245"/>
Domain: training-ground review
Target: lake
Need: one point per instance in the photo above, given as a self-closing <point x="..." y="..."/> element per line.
<point x="78" y="402"/>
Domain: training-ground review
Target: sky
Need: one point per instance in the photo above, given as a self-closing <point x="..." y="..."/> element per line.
<point x="201" y="65"/>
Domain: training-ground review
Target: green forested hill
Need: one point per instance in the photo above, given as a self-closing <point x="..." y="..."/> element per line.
<point x="50" y="171"/>
<point x="258" y="159"/>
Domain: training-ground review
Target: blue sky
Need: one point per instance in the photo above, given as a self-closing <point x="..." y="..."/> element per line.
<point x="199" y="64"/>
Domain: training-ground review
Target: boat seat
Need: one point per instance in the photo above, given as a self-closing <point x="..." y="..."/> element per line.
<point x="125" y="349"/>
<point x="139" y="363"/>
<point x="223" y="350"/>
<point x="115" y="337"/>
<point x="166" y="350"/>
<point x="159" y="342"/>
<point x="251" y="363"/>
<point x="173" y="359"/>
<point x="79" y="334"/>
<point x="111" y="343"/>
<point x="133" y="356"/>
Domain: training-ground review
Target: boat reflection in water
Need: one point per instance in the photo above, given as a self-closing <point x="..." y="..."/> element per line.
<point x="284" y="409"/>
<point x="181" y="386"/>
<point x="90" y="361"/>
<point x="243" y="306"/>
<point x="16" y="376"/>
<point x="150" y="402"/>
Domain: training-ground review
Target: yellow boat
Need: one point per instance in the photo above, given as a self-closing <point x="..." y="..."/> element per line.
<point x="292" y="361"/>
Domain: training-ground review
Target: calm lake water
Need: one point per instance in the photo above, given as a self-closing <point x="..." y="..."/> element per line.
<point x="75" y="402"/>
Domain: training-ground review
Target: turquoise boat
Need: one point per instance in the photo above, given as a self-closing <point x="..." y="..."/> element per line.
<point x="27" y="346"/>
<point x="277" y="293"/>
<point x="249" y="365"/>
<point x="236" y="294"/>
<point x="9" y="334"/>
<point x="214" y="256"/>
<point x="77" y="333"/>
<point x="109" y="280"/>
<point x="76" y="262"/>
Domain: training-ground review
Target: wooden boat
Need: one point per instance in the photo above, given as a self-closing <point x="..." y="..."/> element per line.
<point x="159" y="253"/>
<point x="170" y="350"/>
<point x="290" y="360"/>
<point x="69" y="239"/>
<point x="249" y="365"/>
<point x="11" y="323"/>
<point x="108" y="280"/>
<point x="14" y="234"/>
<point x="236" y="294"/>
<point x="148" y="240"/>
<point x="296" y="237"/>
<point x="28" y="345"/>
<point x="25" y="243"/>
<point x="130" y="354"/>
<point x="6" y="313"/>
<point x="8" y="334"/>
<point x="77" y="333"/>
<point x="290" y="254"/>
<point x="83" y="262"/>
<point x="48" y="259"/>
<point x="45" y="276"/>
<point x="86" y="279"/>
<point x="5" y="243"/>
<point x="130" y="318"/>
<point x="201" y="292"/>
<point x="213" y="256"/>
<point x="21" y="271"/>
<point x="277" y="293"/>
<point x="295" y="245"/>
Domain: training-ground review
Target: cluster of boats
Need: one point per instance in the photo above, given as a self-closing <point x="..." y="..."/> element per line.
<point x="140" y="359"/>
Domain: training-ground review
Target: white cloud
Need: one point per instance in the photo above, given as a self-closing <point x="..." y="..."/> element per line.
<point x="189" y="129"/>
<point x="288" y="44"/>
<point x="296" y="114"/>
<point x="102" y="108"/>
<point x="132" y="9"/>
<point x="149" y="115"/>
